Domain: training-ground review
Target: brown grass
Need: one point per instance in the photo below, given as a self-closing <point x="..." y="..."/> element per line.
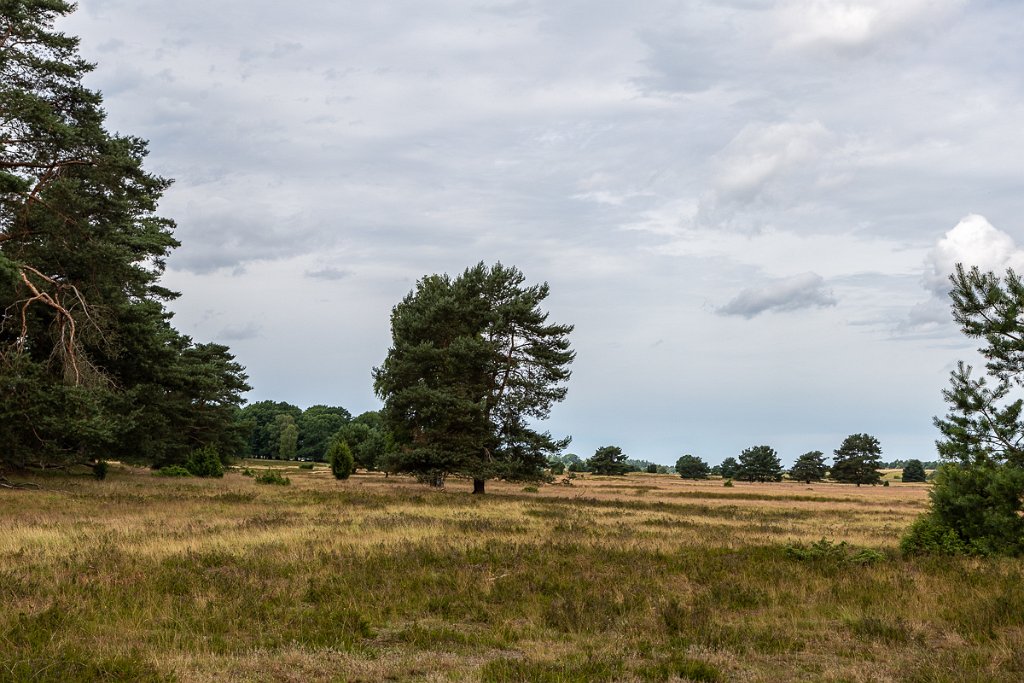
<point x="636" y="578"/>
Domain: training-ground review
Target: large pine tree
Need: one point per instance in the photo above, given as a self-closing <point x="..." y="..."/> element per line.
<point x="473" y="362"/>
<point x="90" y="366"/>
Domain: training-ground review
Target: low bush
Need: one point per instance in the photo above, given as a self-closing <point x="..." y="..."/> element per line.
<point x="173" y="471"/>
<point x="306" y="466"/>
<point x="205" y="462"/>
<point x="272" y="477"/>
<point x="835" y="553"/>
<point x="99" y="470"/>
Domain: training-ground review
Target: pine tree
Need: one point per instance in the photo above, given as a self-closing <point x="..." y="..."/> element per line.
<point x="809" y="467"/>
<point x="89" y="363"/>
<point x="977" y="501"/>
<point x="473" y="363"/>
<point x="913" y="471"/>
<point x="857" y="460"/>
<point x="759" y="463"/>
<point x="691" y="467"/>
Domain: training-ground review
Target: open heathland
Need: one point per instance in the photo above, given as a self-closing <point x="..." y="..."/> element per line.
<point x="636" y="578"/>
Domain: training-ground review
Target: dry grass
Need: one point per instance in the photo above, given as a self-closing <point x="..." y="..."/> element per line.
<point x="637" y="578"/>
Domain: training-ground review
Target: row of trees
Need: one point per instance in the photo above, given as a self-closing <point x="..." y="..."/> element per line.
<point x="856" y="461"/>
<point x="90" y="365"/>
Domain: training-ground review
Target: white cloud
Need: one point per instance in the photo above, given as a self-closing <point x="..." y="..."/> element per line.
<point x="844" y="24"/>
<point x="973" y="242"/>
<point x="806" y="290"/>
<point x="761" y="152"/>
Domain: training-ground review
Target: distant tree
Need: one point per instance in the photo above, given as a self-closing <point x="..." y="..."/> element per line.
<point x="368" y="438"/>
<point x="730" y="468"/>
<point x="317" y="426"/>
<point x="260" y="420"/>
<point x="607" y="460"/>
<point x="759" y="463"/>
<point x="474" y="365"/>
<point x="652" y="469"/>
<point x="691" y="467"/>
<point x="288" y="437"/>
<point x="716" y="470"/>
<point x="914" y="471"/>
<point x="340" y="457"/>
<point x="556" y="467"/>
<point x="809" y="467"/>
<point x="856" y="461"/>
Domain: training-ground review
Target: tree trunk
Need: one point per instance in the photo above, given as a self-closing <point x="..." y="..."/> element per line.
<point x="478" y="486"/>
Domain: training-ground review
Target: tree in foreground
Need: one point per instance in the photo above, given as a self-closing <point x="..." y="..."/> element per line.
<point x="977" y="500"/>
<point x="608" y="460"/>
<point x="809" y="467"/>
<point x="90" y="366"/>
<point x="759" y="463"/>
<point x="857" y="460"/>
<point x="691" y="467"/>
<point x="913" y="471"/>
<point x="473" y="364"/>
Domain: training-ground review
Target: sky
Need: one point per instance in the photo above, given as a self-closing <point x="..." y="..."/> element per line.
<point x="748" y="210"/>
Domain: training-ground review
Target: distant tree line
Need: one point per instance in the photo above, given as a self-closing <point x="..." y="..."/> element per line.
<point x="856" y="461"/>
<point x="283" y="431"/>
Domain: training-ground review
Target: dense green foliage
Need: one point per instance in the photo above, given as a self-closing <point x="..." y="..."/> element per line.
<point x="857" y="460"/>
<point x="340" y="457"/>
<point x="608" y="460"/>
<point x="809" y="467"/>
<point x="369" y="439"/>
<point x="473" y="362"/>
<point x="205" y="462"/>
<point x="90" y="366"/>
<point x="913" y="471"/>
<point x="759" y="463"/>
<point x="730" y="468"/>
<point x="691" y="467"/>
<point x="977" y="501"/>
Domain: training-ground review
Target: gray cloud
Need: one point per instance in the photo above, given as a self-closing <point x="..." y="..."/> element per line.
<point x="329" y="273"/>
<point x="240" y="332"/>
<point x="626" y="154"/>
<point x="786" y="294"/>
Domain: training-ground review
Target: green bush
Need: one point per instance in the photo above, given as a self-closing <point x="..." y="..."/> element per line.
<point x="834" y="553"/>
<point x="975" y="510"/>
<point x="340" y="457"/>
<point x="272" y="477"/>
<point x="306" y="466"/>
<point x="205" y="462"/>
<point x="173" y="471"/>
<point x="556" y="468"/>
<point x="727" y="483"/>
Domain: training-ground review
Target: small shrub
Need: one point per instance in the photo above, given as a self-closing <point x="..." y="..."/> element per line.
<point x="530" y="489"/>
<point x="205" y="462"/>
<point x="834" y="553"/>
<point x="340" y="457"/>
<point x="173" y="471"/>
<point x="248" y="473"/>
<point x="306" y="466"/>
<point x="885" y="483"/>
<point x="727" y="483"/>
<point x="272" y="477"/>
<point x="99" y="470"/>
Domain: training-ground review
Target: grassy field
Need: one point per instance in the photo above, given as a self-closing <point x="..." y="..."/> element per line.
<point x="636" y="578"/>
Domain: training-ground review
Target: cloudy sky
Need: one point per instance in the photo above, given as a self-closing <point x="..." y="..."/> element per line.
<point x="748" y="209"/>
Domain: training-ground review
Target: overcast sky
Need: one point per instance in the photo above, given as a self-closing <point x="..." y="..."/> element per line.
<point x="748" y="209"/>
